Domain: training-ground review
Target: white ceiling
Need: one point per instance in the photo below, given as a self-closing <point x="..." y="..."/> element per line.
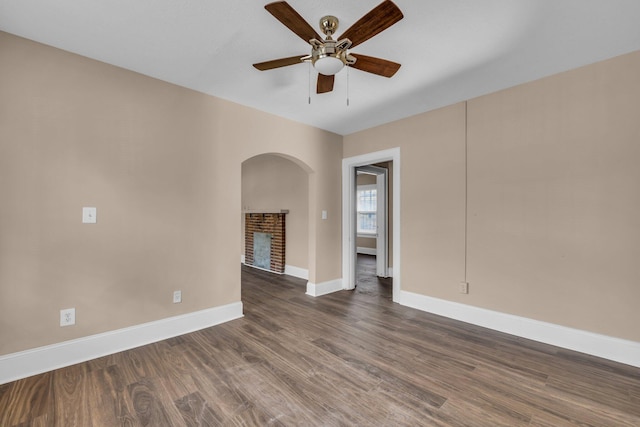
<point x="450" y="50"/>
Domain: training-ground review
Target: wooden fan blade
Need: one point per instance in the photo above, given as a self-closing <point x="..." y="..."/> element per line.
<point x="277" y="63"/>
<point x="378" y="66"/>
<point x="377" y="20"/>
<point x="325" y="83"/>
<point x="292" y="20"/>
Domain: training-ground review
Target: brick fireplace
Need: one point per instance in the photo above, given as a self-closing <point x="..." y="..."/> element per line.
<point x="264" y="240"/>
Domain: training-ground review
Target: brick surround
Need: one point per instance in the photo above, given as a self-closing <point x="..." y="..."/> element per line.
<point x="273" y="223"/>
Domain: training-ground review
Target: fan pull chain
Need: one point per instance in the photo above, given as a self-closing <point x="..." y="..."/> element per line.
<point x="309" y="83"/>
<point x="347" y="86"/>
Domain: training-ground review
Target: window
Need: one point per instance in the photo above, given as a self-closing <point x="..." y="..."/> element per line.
<point x="367" y="206"/>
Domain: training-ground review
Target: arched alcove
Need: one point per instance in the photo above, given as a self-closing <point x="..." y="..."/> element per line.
<point x="272" y="182"/>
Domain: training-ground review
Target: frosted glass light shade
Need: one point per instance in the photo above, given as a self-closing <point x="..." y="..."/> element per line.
<point x="328" y="65"/>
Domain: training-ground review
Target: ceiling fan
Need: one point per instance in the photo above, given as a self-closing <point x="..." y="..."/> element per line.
<point x="329" y="56"/>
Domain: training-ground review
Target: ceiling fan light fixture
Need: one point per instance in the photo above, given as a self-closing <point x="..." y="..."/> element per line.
<point x="329" y="56"/>
<point x="328" y="65"/>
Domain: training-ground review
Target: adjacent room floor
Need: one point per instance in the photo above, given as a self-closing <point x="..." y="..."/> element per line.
<point x="367" y="282"/>
<point x="349" y="358"/>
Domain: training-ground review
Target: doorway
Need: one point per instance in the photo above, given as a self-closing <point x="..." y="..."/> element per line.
<point x="371" y="214"/>
<point x="350" y="168"/>
<point x="271" y="184"/>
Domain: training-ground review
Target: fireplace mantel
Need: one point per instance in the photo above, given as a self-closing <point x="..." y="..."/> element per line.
<point x="265" y="211"/>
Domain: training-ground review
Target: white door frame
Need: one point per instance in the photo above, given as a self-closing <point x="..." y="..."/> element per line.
<point x="349" y="228"/>
<point x="382" y="265"/>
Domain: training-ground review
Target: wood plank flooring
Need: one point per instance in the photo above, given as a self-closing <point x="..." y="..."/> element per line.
<point x="346" y="359"/>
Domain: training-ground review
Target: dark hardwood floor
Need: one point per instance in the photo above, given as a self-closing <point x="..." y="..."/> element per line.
<point x="349" y="358"/>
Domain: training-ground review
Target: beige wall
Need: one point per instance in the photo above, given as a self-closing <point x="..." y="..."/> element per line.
<point x="271" y="183"/>
<point x="553" y="229"/>
<point x="365" y="179"/>
<point x="366" y="242"/>
<point x="553" y="200"/>
<point x="318" y="152"/>
<point x="432" y="172"/>
<point x="163" y="166"/>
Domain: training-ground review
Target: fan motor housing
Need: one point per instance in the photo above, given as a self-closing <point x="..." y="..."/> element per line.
<point x="329" y="25"/>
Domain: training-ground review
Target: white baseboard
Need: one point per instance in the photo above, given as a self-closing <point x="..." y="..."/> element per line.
<point x="301" y="273"/>
<point x="319" y="289"/>
<point x="616" y="349"/>
<point x="43" y="359"/>
<point x="366" y="251"/>
<point x="289" y="270"/>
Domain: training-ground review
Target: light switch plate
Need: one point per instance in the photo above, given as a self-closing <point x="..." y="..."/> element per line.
<point x="324" y="214"/>
<point x="89" y="215"/>
<point x="464" y="287"/>
<point x="177" y="297"/>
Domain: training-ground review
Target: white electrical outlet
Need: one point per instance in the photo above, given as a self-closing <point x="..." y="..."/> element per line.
<point x="177" y="297"/>
<point x="68" y="317"/>
<point x="89" y="215"/>
<point x="464" y="287"/>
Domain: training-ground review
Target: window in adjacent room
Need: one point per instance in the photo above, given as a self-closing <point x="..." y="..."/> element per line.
<point x="367" y="205"/>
